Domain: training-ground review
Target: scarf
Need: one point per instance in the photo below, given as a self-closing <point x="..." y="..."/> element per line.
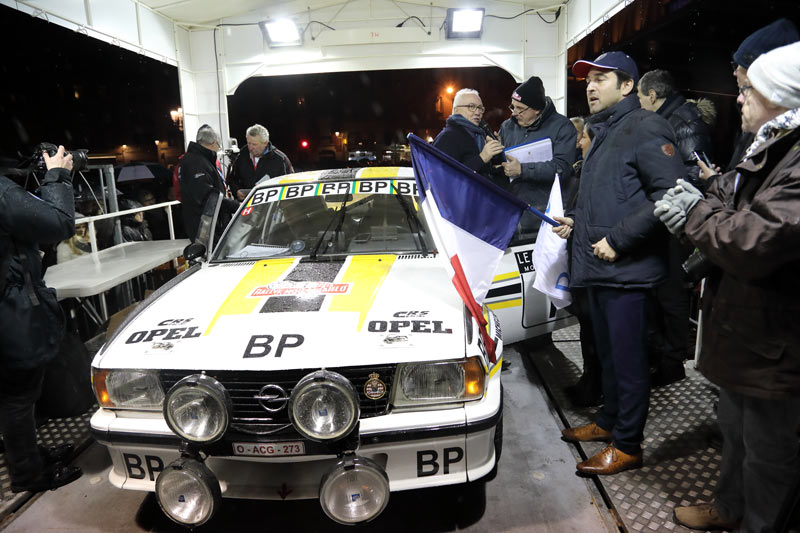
<point x="475" y="131"/>
<point x="789" y="120"/>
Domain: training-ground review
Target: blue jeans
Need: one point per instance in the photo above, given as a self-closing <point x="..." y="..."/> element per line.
<point x="620" y="330"/>
<point x="19" y="391"/>
<point x="759" y="457"/>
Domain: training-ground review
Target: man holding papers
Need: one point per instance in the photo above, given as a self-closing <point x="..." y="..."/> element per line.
<point x="540" y="143"/>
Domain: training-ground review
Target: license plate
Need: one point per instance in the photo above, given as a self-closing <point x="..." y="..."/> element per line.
<point x="269" y="449"/>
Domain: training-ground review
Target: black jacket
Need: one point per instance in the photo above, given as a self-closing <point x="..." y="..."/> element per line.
<point x="198" y="177"/>
<point x="691" y="133"/>
<point x="30" y="221"/>
<point x="631" y="164"/>
<point x="460" y="144"/>
<point x="273" y="163"/>
<point x="534" y="184"/>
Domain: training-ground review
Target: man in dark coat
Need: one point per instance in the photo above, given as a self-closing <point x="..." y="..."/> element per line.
<point x="464" y="140"/>
<point x="618" y="250"/>
<point x="534" y="117"/>
<point x="261" y="160"/>
<point x="25" y="222"/>
<point x="669" y="342"/>
<point x="199" y="177"/>
<point x="748" y="226"/>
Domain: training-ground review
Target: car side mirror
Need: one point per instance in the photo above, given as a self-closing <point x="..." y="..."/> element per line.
<point x="194" y="250"/>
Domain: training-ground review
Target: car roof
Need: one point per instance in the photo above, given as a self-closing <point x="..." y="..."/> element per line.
<point x="338" y="174"/>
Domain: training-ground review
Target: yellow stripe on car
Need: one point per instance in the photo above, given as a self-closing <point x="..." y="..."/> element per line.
<point x="262" y="273"/>
<point x="515" y="302"/>
<point x="366" y="273"/>
<point x="503" y="277"/>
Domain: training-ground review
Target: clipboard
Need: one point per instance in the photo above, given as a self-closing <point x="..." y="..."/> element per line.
<point x="532" y="152"/>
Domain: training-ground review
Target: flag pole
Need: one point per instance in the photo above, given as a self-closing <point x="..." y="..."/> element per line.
<point x="543" y="216"/>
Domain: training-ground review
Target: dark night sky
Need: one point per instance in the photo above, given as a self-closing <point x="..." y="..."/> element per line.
<point x="67" y="88"/>
<point x="64" y="87"/>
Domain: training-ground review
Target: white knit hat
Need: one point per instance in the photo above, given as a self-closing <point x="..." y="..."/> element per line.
<point x="776" y="75"/>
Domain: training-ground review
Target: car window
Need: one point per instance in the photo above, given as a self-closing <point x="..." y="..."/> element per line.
<point x="332" y="217"/>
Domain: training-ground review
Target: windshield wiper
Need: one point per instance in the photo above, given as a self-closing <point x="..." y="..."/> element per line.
<point x="412" y="215"/>
<point x="340" y="216"/>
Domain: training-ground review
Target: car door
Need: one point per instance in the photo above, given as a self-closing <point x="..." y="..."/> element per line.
<point x="524" y="312"/>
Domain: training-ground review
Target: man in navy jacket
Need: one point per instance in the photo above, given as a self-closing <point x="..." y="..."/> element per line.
<point x="619" y="250"/>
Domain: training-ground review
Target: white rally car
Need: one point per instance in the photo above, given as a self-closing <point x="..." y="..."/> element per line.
<point x="320" y="351"/>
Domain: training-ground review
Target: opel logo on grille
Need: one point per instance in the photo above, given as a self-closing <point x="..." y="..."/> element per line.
<point x="272" y="398"/>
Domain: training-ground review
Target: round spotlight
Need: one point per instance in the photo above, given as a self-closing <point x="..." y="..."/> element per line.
<point x="198" y="409"/>
<point x="188" y="492"/>
<point x="356" y="490"/>
<point x="324" y="406"/>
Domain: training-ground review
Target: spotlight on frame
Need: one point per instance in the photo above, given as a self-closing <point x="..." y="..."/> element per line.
<point x="281" y="32"/>
<point x="463" y="23"/>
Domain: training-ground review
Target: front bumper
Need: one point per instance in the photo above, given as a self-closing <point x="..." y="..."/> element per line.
<point x="417" y="449"/>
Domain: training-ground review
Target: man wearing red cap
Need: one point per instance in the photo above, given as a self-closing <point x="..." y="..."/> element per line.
<point x="619" y="248"/>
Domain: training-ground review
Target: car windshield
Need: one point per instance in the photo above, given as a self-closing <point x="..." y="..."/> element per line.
<point x="362" y="216"/>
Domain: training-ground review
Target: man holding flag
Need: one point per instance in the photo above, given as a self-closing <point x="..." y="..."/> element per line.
<point x="618" y="252"/>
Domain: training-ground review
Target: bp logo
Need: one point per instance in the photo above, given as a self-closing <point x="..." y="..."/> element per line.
<point x="374" y="388"/>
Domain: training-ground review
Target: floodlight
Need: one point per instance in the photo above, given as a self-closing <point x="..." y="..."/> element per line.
<point x="281" y="32"/>
<point x="464" y="23"/>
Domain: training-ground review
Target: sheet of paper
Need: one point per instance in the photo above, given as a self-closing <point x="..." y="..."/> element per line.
<point x="532" y="152"/>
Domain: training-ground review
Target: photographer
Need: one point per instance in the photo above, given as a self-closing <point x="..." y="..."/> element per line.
<point x="32" y="321"/>
<point x="748" y="227"/>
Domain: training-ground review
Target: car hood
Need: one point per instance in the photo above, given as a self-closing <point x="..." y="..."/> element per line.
<point x="281" y="314"/>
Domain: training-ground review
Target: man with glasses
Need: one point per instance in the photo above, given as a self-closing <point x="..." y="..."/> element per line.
<point x="199" y="177"/>
<point x="534" y="117"/>
<point x="464" y="139"/>
<point x="779" y="33"/>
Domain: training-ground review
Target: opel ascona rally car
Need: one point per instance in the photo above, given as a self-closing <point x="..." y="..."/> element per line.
<point x="320" y="351"/>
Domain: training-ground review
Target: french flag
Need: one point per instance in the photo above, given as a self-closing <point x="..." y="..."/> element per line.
<point x="471" y="219"/>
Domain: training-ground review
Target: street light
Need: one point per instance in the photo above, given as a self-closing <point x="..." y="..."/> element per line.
<point x="177" y="117"/>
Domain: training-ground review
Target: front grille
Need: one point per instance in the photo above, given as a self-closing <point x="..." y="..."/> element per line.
<point x="250" y="416"/>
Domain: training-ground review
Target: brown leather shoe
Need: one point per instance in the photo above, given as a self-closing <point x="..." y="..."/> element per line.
<point x="610" y="461"/>
<point x="701" y="516"/>
<point x="589" y="432"/>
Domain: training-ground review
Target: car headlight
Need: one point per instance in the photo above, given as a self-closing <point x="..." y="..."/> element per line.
<point x="188" y="492"/>
<point x="198" y="409"/>
<point x="356" y="490"/>
<point x="439" y="382"/>
<point x="324" y="406"/>
<point x="128" y="389"/>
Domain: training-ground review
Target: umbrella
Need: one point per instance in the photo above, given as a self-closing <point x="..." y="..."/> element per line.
<point x="142" y="171"/>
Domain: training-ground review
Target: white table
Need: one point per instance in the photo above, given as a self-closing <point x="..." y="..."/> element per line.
<point x="95" y="273"/>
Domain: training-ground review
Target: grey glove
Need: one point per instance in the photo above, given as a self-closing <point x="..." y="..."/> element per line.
<point x="685" y="195"/>
<point x="673" y="217"/>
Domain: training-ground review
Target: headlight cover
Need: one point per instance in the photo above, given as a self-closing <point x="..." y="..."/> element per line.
<point x="324" y="406"/>
<point x="439" y="382"/>
<point x="198" y="409"/>
<point x="128" y="389"/>
<point x="188" y="492"/>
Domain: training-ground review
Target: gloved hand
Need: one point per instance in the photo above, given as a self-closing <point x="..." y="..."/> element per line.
<point x="684" y="195"/>
<point x="673" y="217"/>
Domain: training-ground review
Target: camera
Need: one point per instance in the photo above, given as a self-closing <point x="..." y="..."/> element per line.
<point x="697" y="266"/>
<point x="79" y="158"/>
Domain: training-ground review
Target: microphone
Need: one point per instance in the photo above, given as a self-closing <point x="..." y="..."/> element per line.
<point x="487" y="130"/>
<point x="501" y="157"/>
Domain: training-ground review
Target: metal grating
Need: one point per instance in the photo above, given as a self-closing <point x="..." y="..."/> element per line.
<point x="55" y="431"/>
<point x="680" y="467"/>
<point x="243" y="386"/>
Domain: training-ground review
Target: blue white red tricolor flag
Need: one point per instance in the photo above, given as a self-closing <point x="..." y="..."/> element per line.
<point x="471" y="219"/>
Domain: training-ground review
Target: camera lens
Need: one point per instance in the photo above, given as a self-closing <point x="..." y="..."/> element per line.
<point x="79" y="160"/>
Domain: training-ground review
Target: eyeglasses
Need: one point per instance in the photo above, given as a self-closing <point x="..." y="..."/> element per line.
<point x="517" y="110"/>
<point x="473" y="107"/>
<point x="743" y="90"/>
